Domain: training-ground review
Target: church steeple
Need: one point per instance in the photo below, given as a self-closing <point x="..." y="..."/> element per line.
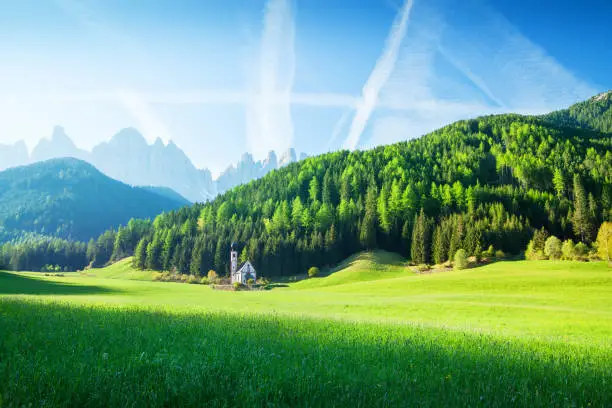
<point x="233" y="261"/>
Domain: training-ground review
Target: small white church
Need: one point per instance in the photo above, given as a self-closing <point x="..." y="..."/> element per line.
<point x="245" y="272"/>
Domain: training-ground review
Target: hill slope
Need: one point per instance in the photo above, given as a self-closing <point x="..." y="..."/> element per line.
<point x="594" y="114"/>
<point x="472" y="184"/>
<point x="70" y="198"/>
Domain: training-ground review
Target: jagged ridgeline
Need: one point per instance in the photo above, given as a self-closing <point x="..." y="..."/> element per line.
<point x="472" y="184"/>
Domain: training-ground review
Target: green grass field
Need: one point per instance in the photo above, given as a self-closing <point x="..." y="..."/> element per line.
<point x="370" y="333"/>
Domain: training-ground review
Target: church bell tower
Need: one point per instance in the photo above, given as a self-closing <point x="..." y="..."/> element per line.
<point x="233" y="261"/>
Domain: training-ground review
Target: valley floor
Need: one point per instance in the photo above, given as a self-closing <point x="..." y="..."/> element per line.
<point x="371" y="333"/>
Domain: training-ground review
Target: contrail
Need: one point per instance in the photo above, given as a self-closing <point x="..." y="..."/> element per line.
<point x="270" y="121"/>
<point x="379" y="76"/>
<point x="338" y="128"/>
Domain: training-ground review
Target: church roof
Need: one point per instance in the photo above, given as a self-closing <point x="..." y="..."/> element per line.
<point x="244" y="266"/>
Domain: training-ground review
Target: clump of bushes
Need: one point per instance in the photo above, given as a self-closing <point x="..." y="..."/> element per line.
<point x="179" y="278"/>
<point x="212" y="276"/>
<point x="237" y="285"/>
<point x="489" y="253"/>
<point x="542" y="246"/>
<point x="422" y="268"/>
<point x="460" y="259"/>
<point x="313" y="272"/>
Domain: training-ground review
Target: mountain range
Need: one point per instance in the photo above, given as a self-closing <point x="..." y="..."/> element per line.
<point x="70" y="198"/>
<point x="128" y="157"/>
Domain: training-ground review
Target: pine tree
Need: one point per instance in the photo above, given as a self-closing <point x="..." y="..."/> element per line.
<point x="368" y="226"/>
<point x="420" y="239"/>
<point x="383" y="211"/>
<point x="559" y="183"/>
<point x="438" y="250"/>
<point x="140" y="254"/>
<point x="196" y="266"/>
<point x="154" y="249"/>
<point x="581" y="219"/>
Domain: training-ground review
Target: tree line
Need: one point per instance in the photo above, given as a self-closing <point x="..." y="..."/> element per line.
<point x="478" y="183"/>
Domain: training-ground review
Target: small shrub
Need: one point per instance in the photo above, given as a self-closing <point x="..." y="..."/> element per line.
<point x="194" y="280"/>
<point x="460" y="260"/>
<point x="580" y="251"/>
<point x="166" y="277"/>
<point x="212" y="276"/>
<point x="184" y="277"/>
<point x="499" y="254"/>
<point x="250" y="281"/>
<point x="237" y="285"/>
<point x="263" y="281"/>
<point x="204" y="281"/>
<point x="552" y="247"/>
<point x="490" y="252"/>
<point x="422" y="267"/>
<point x="478" y="253"/>
<point x="534" y="254"/>
<point x="567" y="249"/>
<point x="157" y="276"/>
<point x="312" y="272"/>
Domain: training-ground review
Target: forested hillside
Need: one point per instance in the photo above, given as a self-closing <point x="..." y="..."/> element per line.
<point x="594" y="114"/>
<point x="70" y="199"/>
<point x="475" y="183"/>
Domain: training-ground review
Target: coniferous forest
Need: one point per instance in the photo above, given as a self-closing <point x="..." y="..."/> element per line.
<point x="490" y="181"/>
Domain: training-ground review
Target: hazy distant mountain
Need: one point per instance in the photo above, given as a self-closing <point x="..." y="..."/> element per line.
<point x="70" y="198"/>
<point x="13" y="155"/>
<point x="60" y="145"/>
<point x="128" y="157"/>
<point x="247" y="169"/>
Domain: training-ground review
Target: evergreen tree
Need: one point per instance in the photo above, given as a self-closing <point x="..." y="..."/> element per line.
<point x="140" y="254"/>
<point x="420" y="239"/>
<point x="559" y="182"/>
<point x="581" y="219"/>
<point x="368" y="226"/>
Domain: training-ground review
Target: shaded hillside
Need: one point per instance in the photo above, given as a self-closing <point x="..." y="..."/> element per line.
<point x="70" y="198"/>
<point x="168" y="193"/>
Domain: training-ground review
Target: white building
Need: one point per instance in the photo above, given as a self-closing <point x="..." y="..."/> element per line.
<point x="245" y="272"/>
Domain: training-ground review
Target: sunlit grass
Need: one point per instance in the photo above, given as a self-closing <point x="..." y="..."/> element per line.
<point x="372" y="333"/>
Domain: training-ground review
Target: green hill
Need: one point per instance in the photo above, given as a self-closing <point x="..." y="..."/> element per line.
<point x="69" y="198"/>
<point x="120" y="270"/>
<point x="472" y="184"/>
<point x="361" y="267"/>
<point x="594" y="114"/>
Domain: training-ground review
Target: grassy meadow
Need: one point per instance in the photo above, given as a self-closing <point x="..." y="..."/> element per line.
<point x="367" y="333"/>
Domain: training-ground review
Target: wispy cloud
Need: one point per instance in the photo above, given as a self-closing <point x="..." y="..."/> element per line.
<point x="148" y="123"/>
<point x="379" y="76"/>
<point x="445" y="72"/>
<point x="137" y="105"/>
<point x="269" y="121"/>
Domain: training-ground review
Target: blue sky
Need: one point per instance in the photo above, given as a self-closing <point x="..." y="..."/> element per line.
<point x="221" y="77"/>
